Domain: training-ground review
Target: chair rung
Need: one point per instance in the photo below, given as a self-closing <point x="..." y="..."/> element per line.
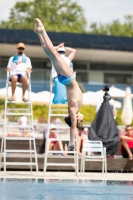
<point x="20" y="163"/>
<point x="18" y="114"/>
<point x="98" y="160"/>
<point x="74" y="152"/>
<point x="93" y="157"/>
<point x="59" y="115"/>
<point x="62" y="139"/>
<point x="61" y="164"/>
<point x="58" y="109"/>
<point x="19" y="151"/>
<point x="18" y="126"/>
<point x="63" y="131"/>
<point x="10" y="109"/>
<point x="19" y="138"/>
<point x="20" y="102"/>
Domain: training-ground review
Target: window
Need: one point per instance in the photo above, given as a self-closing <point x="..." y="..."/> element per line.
<point x="4" y="62"/>
<point x="41" y="64"/>
<point x="82" y="77"/>
<point x="110" y="67"/>
<point x="3" y="74"/>
<point x="80" y="66"/>
<point x="118" y="78"/>
<point x="96" y="66"/>
<point x="37" y="65"/>
<point x="40" y="75"/>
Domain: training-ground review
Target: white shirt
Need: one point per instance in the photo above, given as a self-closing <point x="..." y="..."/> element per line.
<point x="19" y="67"/>
<point x="23" y="121"/>
<point x="67" y="60"/>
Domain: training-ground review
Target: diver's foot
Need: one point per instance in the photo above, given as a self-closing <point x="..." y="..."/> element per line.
<point x="38" y="26"/>
<point x="71" y="148"/>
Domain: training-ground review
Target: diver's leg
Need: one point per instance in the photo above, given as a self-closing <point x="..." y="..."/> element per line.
<point x="60" y="65"/>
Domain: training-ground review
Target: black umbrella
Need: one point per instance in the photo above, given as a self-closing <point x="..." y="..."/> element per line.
<point x="104" y="127"/>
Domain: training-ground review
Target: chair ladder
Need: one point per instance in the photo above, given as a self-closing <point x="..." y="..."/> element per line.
<point x="18" y="112"/>
<point x="47" y="151"/>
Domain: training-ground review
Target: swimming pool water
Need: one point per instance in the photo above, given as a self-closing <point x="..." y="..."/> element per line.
<point x="38" y="189"/>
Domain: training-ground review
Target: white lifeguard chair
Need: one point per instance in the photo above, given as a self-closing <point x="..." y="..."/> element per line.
<point x="51" y="113"/>
<point x="25" y="110"/>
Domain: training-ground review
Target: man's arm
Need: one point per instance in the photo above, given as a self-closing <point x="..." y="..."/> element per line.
<point x="28" y="70"/>
<point x="124" y="137"/>
<point x="8" y="69"/>
<point x="60" y="45"/>
<point x="71" y="51"/>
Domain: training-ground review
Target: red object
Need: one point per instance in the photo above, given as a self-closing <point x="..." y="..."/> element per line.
<point x="110" y="156"/>
<point x="129" y="142"/>
<point x="54" y="136"/>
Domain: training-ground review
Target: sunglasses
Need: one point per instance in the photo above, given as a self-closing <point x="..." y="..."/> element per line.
<point x="21" y="48"/>
<point x="61" y="52"/>
<point x="129" y="129"/>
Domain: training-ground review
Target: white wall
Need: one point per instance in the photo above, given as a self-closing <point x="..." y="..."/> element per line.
<point x="96" y="77"/>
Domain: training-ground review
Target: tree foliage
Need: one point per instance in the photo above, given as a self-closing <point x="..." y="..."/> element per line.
<point x="57" y="15"/>
<point x="40" y="112"/>
<point x="115" y="28"/>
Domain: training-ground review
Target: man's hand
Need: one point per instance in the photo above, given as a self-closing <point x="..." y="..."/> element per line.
<point x="125" y="137"/>
<point x="28" y="70"/>
<point x="8" y="69"/>
<point x="61" y="44"/>
<point x="71" y="52"/>
<point x="38" y="26"/>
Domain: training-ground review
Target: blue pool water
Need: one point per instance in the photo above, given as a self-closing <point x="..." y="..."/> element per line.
<point x="25" y="189"/>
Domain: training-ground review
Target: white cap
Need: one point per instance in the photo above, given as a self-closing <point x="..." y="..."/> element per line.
<point x="85" y="129"/>
<point x="61" y="49"/>
<point x="52" y="126"/>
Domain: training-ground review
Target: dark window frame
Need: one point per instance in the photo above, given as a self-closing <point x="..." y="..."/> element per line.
<point x="119" y="78"/>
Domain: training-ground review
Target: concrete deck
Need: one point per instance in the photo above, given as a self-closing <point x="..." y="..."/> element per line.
<point x="67" y="175"/>
<point x="113" y="165"/>
<point x="116" y="164"/>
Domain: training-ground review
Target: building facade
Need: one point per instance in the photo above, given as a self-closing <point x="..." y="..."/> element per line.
<point x="99" y="60"/>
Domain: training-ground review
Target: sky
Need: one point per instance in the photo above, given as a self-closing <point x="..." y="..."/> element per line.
<point x="103" y="11"/>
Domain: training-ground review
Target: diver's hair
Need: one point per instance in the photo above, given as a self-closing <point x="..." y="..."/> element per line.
<point x="68" y="122"/>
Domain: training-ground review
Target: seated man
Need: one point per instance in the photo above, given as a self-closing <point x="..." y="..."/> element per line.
<point x="18" y="66"/>
<point x="127" y="143"/>
<point x="67" y="78"/>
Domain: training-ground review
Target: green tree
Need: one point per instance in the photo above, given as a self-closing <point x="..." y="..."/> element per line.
<point x="57" y="15"/>
<point x="115" y="28"/>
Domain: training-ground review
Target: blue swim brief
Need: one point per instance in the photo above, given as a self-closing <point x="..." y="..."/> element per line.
<point x="65" y="80"/>
<point x="18" y="75"/>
